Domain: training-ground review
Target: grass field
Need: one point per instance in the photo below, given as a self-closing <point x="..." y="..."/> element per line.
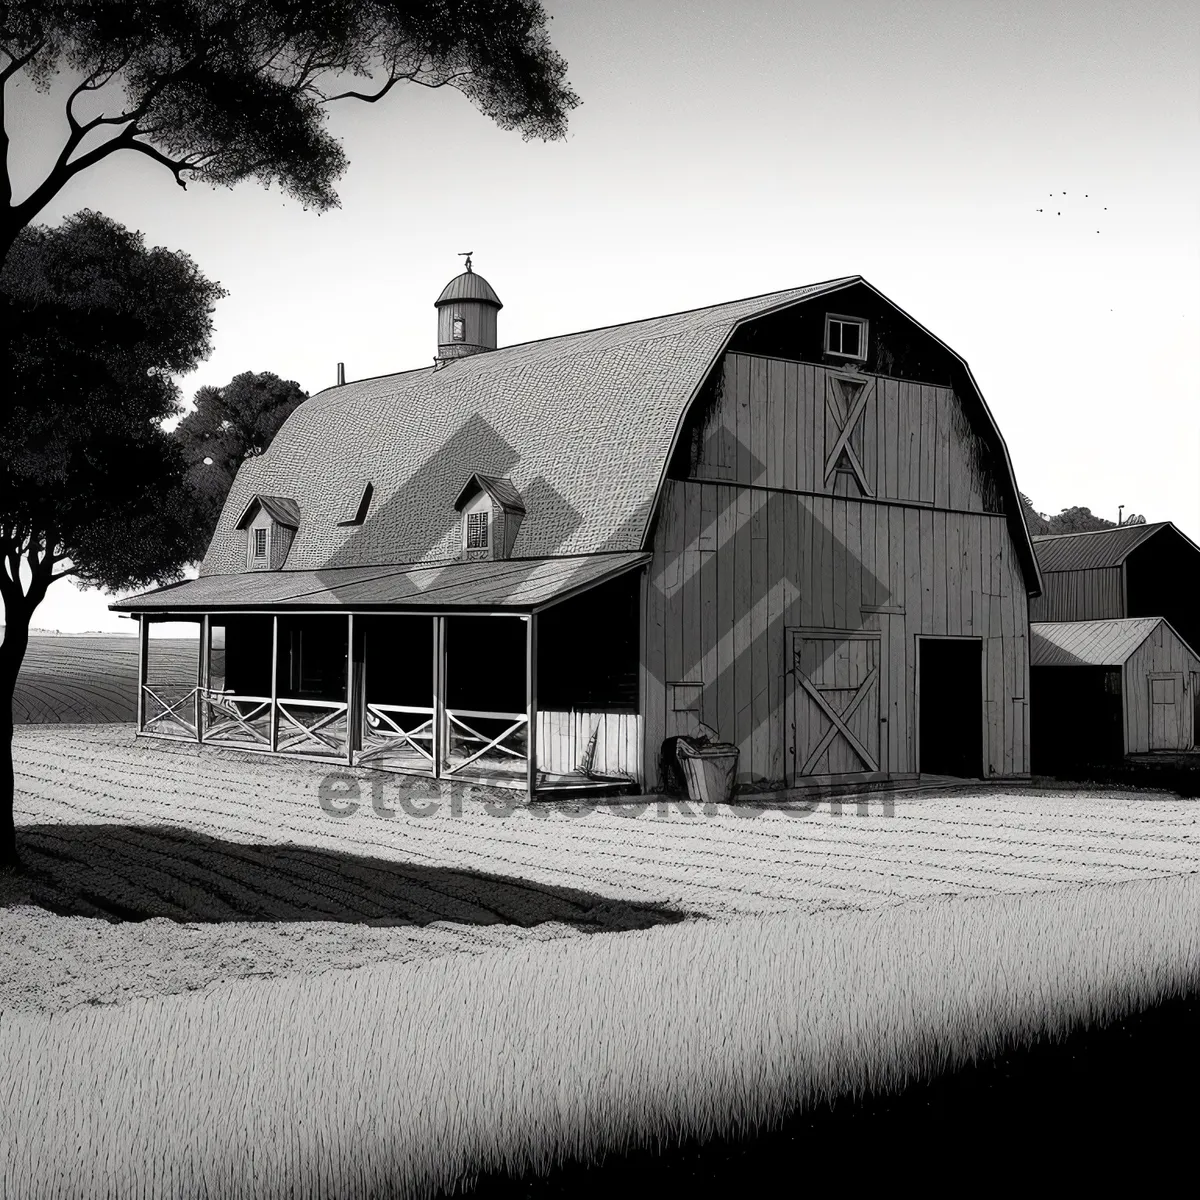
<point x="91" y="679"/>
<point x="366" y="1004"/>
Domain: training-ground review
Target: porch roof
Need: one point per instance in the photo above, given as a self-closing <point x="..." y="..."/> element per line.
<point x="522" y="584"/>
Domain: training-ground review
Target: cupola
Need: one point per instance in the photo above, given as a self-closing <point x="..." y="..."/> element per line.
<point x="467" y="311"/>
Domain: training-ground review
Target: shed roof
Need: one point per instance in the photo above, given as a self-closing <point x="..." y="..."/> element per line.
<point x="522" y="585"/>
<point x="1088" y="643"/>
<point x="583" y="425"/>
<point x="1094" y="549"/>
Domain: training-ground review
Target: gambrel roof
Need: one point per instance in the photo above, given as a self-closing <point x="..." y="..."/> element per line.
<point x="1089" y="643"/>
<point x="1094" y="549"/>
<point x="582" y="425"/>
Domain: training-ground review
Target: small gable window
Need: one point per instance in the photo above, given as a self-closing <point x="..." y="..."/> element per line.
<point x="458" y="329"/>
<point x="477" y="531"/>
<point x="492" y="512"/>
<point x="270" y="523"/>
<point x="846" y="337"/>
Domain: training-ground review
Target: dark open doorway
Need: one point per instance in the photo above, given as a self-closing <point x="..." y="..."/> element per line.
<point x="951" y="707"/>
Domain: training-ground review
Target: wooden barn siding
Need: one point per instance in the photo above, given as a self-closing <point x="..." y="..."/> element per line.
<point x="818" y="560"/>
<point x="1161" y="652"/>
<point x="776" y="420"/>
<point x="563" y="740"/>
<point x="1090" y="595"/>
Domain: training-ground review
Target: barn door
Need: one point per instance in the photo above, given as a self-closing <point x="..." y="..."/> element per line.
<point x="1166" y="711"/>
<point x="833" y="710"/>
<point x="1196" y="709"/>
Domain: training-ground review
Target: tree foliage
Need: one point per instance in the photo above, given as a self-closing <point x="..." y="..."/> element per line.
<point x="227" y="90"/>
<point x="90" y="484"/>
<point x="229" y="425"/>
<point x="1071" y="520"/>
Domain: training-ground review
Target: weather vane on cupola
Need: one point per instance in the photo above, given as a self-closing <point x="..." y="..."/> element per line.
<point x="467" y="255"/>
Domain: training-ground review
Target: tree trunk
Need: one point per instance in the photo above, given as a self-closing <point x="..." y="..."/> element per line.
<point x="12" y="654"/>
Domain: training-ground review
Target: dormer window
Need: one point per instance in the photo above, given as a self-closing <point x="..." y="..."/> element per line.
<point x="846" y="337"/>
<point x="270" y="523"/>
<point x="458" y="329"/>
<point x="477" y="530"/>
<point x="492" y="512"/>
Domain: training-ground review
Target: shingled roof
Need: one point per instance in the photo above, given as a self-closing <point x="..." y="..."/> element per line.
<point x="1088" y="643"/>
<point x="1096" y="548"/>
<point x="582" y="426"/>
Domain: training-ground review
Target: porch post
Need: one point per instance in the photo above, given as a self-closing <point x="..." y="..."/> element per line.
<point x="274" y="683"/>
<point x="439" y="694"/>
<point x="531" y="704"/>
<point x="202" y="674"/>
<point x="351" y="689"/>
<point x="141" y="672"/>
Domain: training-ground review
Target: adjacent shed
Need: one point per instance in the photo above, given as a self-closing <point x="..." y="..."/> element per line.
<point x="1127" y="571"/>
<point x="1103" y="689"/>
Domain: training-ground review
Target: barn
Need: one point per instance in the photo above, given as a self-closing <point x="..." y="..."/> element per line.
<point x="1126" y="571"/>
<point x="789" y="520"/>
<point x="1101" y="690"/>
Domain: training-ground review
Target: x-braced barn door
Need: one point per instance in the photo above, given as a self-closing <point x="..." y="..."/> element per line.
<point x="833" y="702"/>
<point x="845" y="403"/>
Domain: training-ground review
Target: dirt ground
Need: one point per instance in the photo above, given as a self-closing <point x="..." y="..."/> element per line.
<point x="157" y="869"/>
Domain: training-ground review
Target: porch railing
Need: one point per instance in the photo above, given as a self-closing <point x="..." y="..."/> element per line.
<point x="384" y="736"/>
<point x="461" y="733"/>
<point x="316" y="727"/>
<point x="233" y="719"/>
<point x="167" y="715"/>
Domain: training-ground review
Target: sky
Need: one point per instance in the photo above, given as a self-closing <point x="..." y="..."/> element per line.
<point x="1022" y="178"/>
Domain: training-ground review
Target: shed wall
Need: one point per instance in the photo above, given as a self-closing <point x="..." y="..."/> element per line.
<point x="1090" y="595"/>
<point x="1162" y="653"/>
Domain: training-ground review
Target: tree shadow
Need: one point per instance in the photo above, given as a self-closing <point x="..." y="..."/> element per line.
<point x="136" y="872"/>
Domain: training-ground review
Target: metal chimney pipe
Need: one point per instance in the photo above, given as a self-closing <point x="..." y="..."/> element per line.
<point x="341" y="374"/>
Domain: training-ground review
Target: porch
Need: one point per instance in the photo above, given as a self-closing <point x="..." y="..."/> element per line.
<point x="445" y="695"/>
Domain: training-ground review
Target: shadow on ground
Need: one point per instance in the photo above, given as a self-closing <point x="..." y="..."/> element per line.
<point x="135" y="872"/>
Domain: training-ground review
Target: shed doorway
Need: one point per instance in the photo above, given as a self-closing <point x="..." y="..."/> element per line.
<point x="950" y="706"/>
<point x="1166" y="711"/>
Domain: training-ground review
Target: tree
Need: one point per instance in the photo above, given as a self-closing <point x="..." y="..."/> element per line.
<point x="228" y="90"/>
<point x="1078" y="520"/>
<point x="229" y="425"/>
<point x="1034" y="520"/>
<point x="90" y="484"/>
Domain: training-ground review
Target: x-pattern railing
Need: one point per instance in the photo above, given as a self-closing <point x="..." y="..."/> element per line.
<point x="231" y="718"/>
<point x="318" y="732"/>
<point x="455" y="717"/>
<point x="395" y="734"/>
<point x="170" y="711"/>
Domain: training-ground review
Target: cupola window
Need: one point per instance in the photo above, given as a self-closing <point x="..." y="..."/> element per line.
<point x="260" y="543"/>
<point x="846" y="337"/>
<point x="459" y="329"/>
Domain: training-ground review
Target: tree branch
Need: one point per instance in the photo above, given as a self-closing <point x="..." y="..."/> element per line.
<point x="175" y="166"/>
<point x="17" y="62"/>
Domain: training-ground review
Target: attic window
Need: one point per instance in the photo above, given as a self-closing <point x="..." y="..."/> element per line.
<point x="846" y="337"/>
<point x="477" y="531"/>
<point x="458" y="329"/>
<point x="260" y="543"/>
<point x="360" y="501"/>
